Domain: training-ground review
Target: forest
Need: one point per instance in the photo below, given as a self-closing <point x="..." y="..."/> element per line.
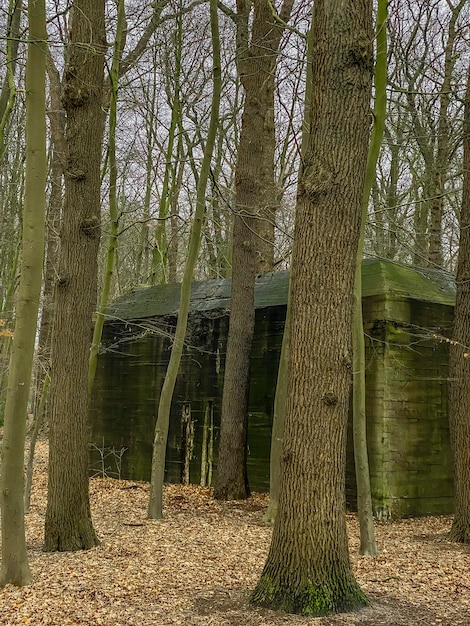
<point x="148" y="144"/>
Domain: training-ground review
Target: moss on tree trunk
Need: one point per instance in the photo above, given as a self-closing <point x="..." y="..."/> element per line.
<point x="335" y="594"/>
<point x="308" y="570"/>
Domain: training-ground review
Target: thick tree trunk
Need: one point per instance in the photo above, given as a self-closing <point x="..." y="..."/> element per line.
<point x="8" y="91"/>
<point x="459" y="359"/>
<point x="308" y="569"/>
<point x="280" y="399"/>
<point x="253" y="233"/>
<point x="68" y="521"/>
<point x="15" y="568"/>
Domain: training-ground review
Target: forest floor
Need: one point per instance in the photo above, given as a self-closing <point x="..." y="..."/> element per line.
<point x="199" y="564"/>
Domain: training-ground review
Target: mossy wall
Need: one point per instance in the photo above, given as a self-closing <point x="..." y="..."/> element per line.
<point x="408" y="433"/>
<point x="129" y="378"/>
<point x="406" y="374"/>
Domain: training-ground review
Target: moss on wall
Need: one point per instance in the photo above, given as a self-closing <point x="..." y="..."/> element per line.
<point x="404" y="310"/>
<point x="408" y="433"/>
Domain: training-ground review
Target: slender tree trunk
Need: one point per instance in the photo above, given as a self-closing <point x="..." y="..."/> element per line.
<point x="9" y="252"/>
<point x="459" y="359"/>
<point x="15" y="568"/>
<point x="361" y="457"/>
<point x="8" y="92"/>
<point x="277" y="435"/>
<point x="308" y="569"/>
<point x="68" y="523"/>
<point x="254" y="185"/>
<point x="177" y="183"/>
<point x="155" y="507"/>
<point x="113" y="201"/>
<point x="160" y="251"/>
<point x="53" y="216"/>
<point x="441" y="164"/>
<point x="142" y="271"/>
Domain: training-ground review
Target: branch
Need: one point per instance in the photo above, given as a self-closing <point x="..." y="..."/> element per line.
<point x="283" y="15"/>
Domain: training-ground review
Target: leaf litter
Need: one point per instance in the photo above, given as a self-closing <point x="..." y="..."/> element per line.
<point x="199" y="564"/>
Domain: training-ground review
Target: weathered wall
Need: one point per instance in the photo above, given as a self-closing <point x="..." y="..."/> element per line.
<point x="130" y="375"/>
<point x="405" y="378"/>
<point x="408" y="433"/>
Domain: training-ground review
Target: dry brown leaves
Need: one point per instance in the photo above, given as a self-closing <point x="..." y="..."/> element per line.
<point x="198" y="565"/>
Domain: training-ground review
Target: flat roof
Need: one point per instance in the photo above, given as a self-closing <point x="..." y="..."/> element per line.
<point x="379" y="277"/>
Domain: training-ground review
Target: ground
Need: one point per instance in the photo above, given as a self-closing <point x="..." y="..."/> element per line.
<point x="198" y="566"/>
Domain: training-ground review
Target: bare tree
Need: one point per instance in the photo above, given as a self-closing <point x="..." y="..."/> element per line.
<point x="459" y="359"/>
<point x="307" y="570"/>
<point x="15" y="568"/>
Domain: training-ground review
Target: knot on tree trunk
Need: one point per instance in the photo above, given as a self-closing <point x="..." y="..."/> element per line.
<point x="330" y="399"/>
<point x="90" y="228"/>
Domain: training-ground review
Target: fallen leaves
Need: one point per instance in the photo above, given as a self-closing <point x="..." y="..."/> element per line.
<point x="198" y="565"/>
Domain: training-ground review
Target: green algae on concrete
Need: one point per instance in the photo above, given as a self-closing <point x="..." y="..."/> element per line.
<point x="407" y="315"/>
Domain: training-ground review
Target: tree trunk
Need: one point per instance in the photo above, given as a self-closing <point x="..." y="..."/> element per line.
<point x="459" y="359"/>
<point x="114" y="213"/>
<point x="308" y="569"/>
<point x="155" y="507"/>
<point x="361" y="456"/>
<point x="277" y="435"/>
<point x="8" y="92"/>
<point x="15" y="568"/>
<point x="280" y="398"/>
<point x="161" y="248"/>
<point x="254" y="185"/>
<point x="53" y="217"/>
<point x="68" y="523"/>
<point x="441" y="164"/>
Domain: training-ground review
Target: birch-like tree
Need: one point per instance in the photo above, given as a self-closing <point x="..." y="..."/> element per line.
<point x="15" y="568"/>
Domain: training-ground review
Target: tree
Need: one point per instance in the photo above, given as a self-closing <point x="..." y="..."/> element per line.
<point x="113" y="199"/>
<point x="163" y="418"/>
<point x="53" y="215"/>
<point x="254" y="183"/>
<point x="443" y="148"/>
<point x="280" y="398"/>
<point x="11" y="185"/>
<point x="68" y="523"/>
<point x="414" y="201"/>
<point x="361" y="457"/>
<point x="8" y="91"/>
<point x="15" y="568"/>
<point x="307" y="570"/>
<point x="459" y="359"/>
<point x="160" y="259"/>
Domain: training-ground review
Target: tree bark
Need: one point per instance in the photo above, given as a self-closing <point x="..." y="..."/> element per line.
<point x="459" y="358"/>
<point x="308" y="569"/>
<point x="68" y="523"/>
<point x="254" y="218"/>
